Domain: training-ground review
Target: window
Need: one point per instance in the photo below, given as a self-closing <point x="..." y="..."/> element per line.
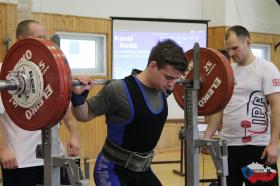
<point x="86" y="53"/>
<point x="262" y="51"/>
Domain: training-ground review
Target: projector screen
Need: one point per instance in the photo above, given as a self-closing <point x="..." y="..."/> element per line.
<point x="133" y="38"/>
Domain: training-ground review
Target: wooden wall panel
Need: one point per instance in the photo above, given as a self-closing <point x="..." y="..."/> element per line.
<point x="8" y="20"/>
<point x="169" y="139"/>
<point x="216" y="37"/>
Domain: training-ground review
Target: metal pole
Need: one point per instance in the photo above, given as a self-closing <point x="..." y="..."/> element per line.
<point x="191" y="152"/>
<point x="14" y="85"/>
<point x="51" y="147"/>
<point x="76" y="82"/>
<point x="191" y="128"/>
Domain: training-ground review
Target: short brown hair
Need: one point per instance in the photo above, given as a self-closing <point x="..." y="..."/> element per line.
<point x="240" y="31"/>
<point x="23" y="27"/>
<point x="169" y="52"/>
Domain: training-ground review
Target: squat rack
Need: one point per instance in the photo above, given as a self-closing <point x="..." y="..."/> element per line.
<point x="217" y="148"/>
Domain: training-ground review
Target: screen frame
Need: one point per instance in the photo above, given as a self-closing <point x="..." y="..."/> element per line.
<point x="100" y="55"/>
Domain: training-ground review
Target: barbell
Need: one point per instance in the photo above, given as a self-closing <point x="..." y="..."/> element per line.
<point x="36" y="83"/>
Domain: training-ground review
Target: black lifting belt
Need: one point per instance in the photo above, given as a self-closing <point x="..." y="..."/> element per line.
<point x="138" y="162"/>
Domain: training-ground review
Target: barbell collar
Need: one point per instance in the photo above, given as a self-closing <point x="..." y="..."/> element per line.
<point x="22" y="84"/>
<point x="8" y="85"/>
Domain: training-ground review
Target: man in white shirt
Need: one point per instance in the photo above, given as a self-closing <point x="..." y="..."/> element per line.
<point x="251" y="120"/>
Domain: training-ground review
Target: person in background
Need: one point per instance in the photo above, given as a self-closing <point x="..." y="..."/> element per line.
<point x="20" y="167"/>
<point x="136" y="110"/>
<point x="251" y="120"/>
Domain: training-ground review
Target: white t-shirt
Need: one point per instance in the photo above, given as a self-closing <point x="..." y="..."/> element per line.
<point x="246" y="118"/>
<point x="22" y="142"/>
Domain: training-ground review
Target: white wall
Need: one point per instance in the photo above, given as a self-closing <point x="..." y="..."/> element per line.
<point x="181" y="9"/>
<point x="256" y="15"/>
<point x="214" y="10"/>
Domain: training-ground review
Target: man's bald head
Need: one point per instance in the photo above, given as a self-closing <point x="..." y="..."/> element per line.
<point x="30" y="29"/>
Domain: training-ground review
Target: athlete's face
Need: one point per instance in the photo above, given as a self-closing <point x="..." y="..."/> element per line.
<point x="164" y="78"/>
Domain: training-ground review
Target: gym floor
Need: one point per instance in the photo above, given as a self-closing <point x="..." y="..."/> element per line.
<point x="164" y="171"/>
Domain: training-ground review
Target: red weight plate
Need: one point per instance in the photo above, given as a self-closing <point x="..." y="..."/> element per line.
<point x="217" y="82"/>
<point x="61" y="105"/>
<point x="42" y="114"/>
<point x="67" y="79"/>
<point x="231" y="79"/>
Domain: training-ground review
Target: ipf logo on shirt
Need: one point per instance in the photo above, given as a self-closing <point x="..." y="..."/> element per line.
<point x="276" y="82"/>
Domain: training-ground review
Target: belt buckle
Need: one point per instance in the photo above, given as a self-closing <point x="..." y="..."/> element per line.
<point x="144" y="166"/>
<point x="148" y="161"/>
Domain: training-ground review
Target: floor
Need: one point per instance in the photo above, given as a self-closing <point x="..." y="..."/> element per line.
<point x="166" y="174"/>
<point x="165" y="171"/>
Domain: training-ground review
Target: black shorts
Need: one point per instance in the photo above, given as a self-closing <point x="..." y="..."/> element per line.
<point x="30" y="176"/>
